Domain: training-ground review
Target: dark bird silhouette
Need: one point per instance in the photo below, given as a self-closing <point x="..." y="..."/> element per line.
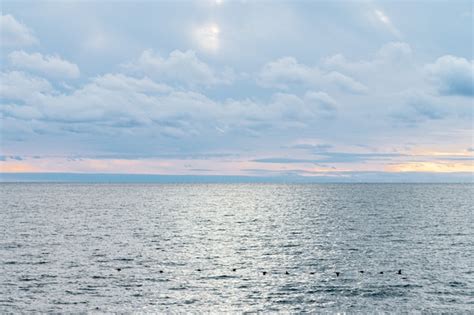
<point x="381" y="272"/>
<point x="234" y="269"/>
<point x="362" y="271"/>
<point x="161" y="271"/>
<point x="198" y="269"/>
<point x="399" y="271"/>
<point x="311" y="273"/>
<point x="264" y="273"/>
<point x="287" y="273"/>
<point x="119" y="269"/>
<point x="337" y="273"/>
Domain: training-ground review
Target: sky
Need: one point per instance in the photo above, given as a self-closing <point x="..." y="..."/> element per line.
<point x="336" y="90"/>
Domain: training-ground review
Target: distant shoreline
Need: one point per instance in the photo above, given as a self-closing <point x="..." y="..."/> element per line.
<point x="338" y="178"/>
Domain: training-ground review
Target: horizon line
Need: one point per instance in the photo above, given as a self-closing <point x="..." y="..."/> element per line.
<point x="353" y="177"/>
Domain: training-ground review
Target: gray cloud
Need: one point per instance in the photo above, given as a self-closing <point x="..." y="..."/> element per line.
<point x="333" y="157"/>
<point x="452" y="75"/>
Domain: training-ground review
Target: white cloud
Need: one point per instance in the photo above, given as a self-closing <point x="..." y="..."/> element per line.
<point x="115" y="103"/>
<point x="346" y="83"/>
<point x="284" y="71"/>
<point x="21" y="86"/>
<point x="51" y="66"/>
<point x="287" y="71"/>
<point x="452" y="75"/>
<point x="392" y="54"/>
<point x="123" y="82"/>
<point x="323" y="100"/>
<point x="14" y="33"/>
<point x="180" y="67"/>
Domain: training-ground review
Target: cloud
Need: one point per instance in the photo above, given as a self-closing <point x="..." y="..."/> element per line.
<point x="18" y="85"/>
<point x="346" y="83"/>
<point x="323" y="101"/>
<point x="313" y="147"/>
<point x="121" y="82"/>
<point x="14" y="33"/>
<point x="333" y="157"/>
<point x="452" y="75"/>
<point x="278" y="160"/>
<point x="391" y="54"/>
<point x="51" y="66"/>
<point x="207" y="37"/>
<point x="419" y="107"/>
<point x="385" y="20"/>
<point x="394" y="53"/>
<point x="286" y="71"/>
<point x="116" y="103"/>
<point x="181" y="68"/>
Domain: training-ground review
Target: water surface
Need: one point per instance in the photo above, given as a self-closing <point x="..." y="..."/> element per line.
<point x="79" y="247"/>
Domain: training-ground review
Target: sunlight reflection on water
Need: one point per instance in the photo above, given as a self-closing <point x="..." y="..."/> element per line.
<point x="78" y="247"/>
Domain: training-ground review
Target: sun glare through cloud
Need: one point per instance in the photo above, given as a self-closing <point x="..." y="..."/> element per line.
<point x="207" y="37"/>
<point x="385" y="20"/>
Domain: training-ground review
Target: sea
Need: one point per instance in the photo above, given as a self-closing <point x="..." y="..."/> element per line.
<point x="291" y="248"/>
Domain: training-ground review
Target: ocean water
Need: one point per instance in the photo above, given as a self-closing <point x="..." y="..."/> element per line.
<point x="166" y="247"/>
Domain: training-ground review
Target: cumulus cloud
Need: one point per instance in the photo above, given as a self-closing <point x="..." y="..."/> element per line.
<point x="346" y="83"/>
<point x="14" y="33"/>
<point x="452" y="75"/>
<point x="113" y="104"/>
<point x="323" y="101"/>
<point x="394" y="52"/>
<point x="419" y="107"/>
<point x="18" y="85"/>
<point x="122" y="82"/>
<point x="391" y="54"/>
<point x="51" y="66"/>
<point x="179" y="67"/>
<point x="287" y="71"/>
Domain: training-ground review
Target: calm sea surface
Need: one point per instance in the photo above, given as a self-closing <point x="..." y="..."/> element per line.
<point x="101" y="247"/>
